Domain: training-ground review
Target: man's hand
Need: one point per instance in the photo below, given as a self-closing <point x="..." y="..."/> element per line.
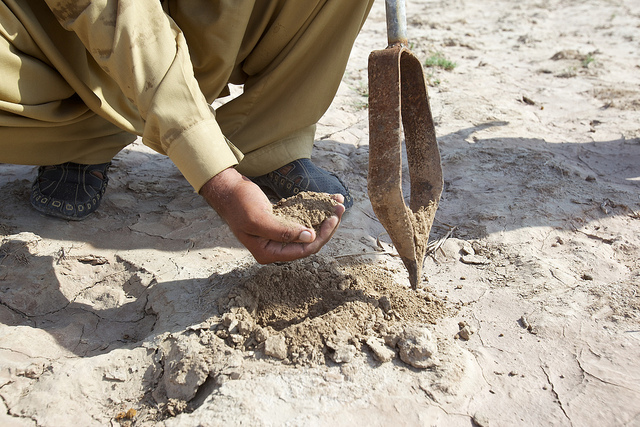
<point x="249" y="214"/>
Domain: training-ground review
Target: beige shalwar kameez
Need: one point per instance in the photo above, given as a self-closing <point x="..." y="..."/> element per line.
<point x="81" y="78"/>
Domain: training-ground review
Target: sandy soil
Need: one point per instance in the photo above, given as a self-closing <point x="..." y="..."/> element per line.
<point x="150" y="313"/>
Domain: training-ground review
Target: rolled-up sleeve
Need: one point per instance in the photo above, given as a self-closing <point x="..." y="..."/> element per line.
<point x="138" y="46"/>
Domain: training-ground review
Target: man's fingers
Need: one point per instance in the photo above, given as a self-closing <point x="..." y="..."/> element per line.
<point x="283" y="231"/>
<point x="338" y="198"/>
<point x="266" y="251"/>
<point x="306" y="237"/>
<point x="271" y="227"/>
<point x="330" y="225"/>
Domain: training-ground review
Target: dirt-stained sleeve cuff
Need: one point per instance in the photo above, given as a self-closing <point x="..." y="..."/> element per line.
<point x="201" y="152"/>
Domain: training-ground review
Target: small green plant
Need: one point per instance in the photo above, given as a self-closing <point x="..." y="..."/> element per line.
<point x="438" y="60"/>
<point x="360" y="105"/>
<point x="432" y="80"/>
<point x="362" y="89"/>
<point x="587" y="60"/>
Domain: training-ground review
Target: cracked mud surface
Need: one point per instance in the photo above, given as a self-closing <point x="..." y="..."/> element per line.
<point x="150" y="313"/>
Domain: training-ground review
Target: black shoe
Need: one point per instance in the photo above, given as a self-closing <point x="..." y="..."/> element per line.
<point x="303" y="175"/>
<point x="70" y="191"/>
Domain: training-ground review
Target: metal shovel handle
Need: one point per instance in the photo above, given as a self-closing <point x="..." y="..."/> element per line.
<point x="396" y="22"/>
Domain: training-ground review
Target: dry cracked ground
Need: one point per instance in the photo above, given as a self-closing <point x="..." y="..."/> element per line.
<point x="151" y="313"/>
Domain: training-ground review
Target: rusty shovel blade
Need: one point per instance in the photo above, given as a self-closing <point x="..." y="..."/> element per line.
<point x="398" y="100"/>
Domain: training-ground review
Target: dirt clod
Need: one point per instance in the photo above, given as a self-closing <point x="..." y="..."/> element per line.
<point x="417" y="347"/>
<point x="275" y="346"/>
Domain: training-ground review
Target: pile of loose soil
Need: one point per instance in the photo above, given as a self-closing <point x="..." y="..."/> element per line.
<point x="313" y="309"/>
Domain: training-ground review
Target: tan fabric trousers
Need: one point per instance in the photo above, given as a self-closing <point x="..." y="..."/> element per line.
<point x="289" y="77"/>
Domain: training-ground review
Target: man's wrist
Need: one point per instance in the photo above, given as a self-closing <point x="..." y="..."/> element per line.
<point x="217" y="190"/>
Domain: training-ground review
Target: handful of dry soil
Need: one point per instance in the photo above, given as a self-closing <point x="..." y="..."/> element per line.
<point x="307" y="208"/>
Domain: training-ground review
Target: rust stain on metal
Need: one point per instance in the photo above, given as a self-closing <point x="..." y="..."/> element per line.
<point x="398" y="100"/>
